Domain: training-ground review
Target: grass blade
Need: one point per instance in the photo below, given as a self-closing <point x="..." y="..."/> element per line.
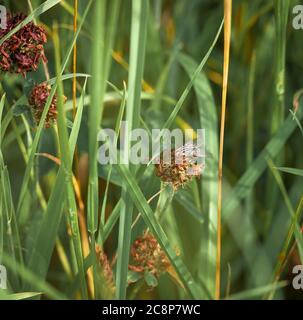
<point x="43" y="117"/>
<point x="297" y="172"/>
<point x="43" y="246"/>
<point x="257" y="168"/>
<point x="208" y="121"/>
<point x="66" y="164"/>
<point x="137" y="56"/>
<point x="185" y="93"/>
<point x="257" y="292"/>
<point x="157" y="230"/>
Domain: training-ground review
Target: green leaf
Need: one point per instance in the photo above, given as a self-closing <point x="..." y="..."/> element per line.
<point x="186" y="91"/>
<point x="258" y="166"/>
<point x="242" y="189"/>
<point x="257" y="292"/>
<point x="37" y="137"/>
<point x="139" y="21"/>
<point x="297" y="172"/>
<point x="68" y="76"/>
<point x="150" y="279"/>
<point x="209" y="121"/>
<point x="293" y="229"/>
<point x="133" y="276"/>
<point x="19" y="295"/>
<point x="29" y="276"/>
<point x="148" y="216"/>
<point x="41" y="251"/>
<point x="67" y="165"/>
<point x="20" y="109"/>
<point x="28" y="86"/>
<point x="111" y="221"/>
<point x="186" y="202"/>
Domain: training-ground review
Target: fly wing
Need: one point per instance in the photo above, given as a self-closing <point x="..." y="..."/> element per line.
<point x="190" y="151"/>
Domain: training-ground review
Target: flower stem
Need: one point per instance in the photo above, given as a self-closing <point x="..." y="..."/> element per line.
<point x="227" y="33"/>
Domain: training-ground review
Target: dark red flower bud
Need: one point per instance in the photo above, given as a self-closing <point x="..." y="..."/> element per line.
<point x="148" y="256"/>
<point x="22" y="52"/>
<point x="37" y="100"/>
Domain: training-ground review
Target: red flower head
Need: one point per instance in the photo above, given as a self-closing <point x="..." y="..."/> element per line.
<point x="22" y="52"/>
<point x="179" y="166"/>
<point x="37" y="100"/>
<point x="148" y="256"/>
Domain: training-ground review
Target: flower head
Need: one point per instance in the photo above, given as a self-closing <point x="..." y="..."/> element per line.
<point x="105" y="267"/>
<point x="37" y="100"/>
<point x="147" y="256"/>
<point x="23" y="51"/>
<point x="178" y="166"/>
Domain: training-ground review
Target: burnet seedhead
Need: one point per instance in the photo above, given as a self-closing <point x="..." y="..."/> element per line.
<point x="148" y="256"/>
<point x="179" y="166"/>
<point x="22" y="52"/>
<point x="37" y="100"/>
